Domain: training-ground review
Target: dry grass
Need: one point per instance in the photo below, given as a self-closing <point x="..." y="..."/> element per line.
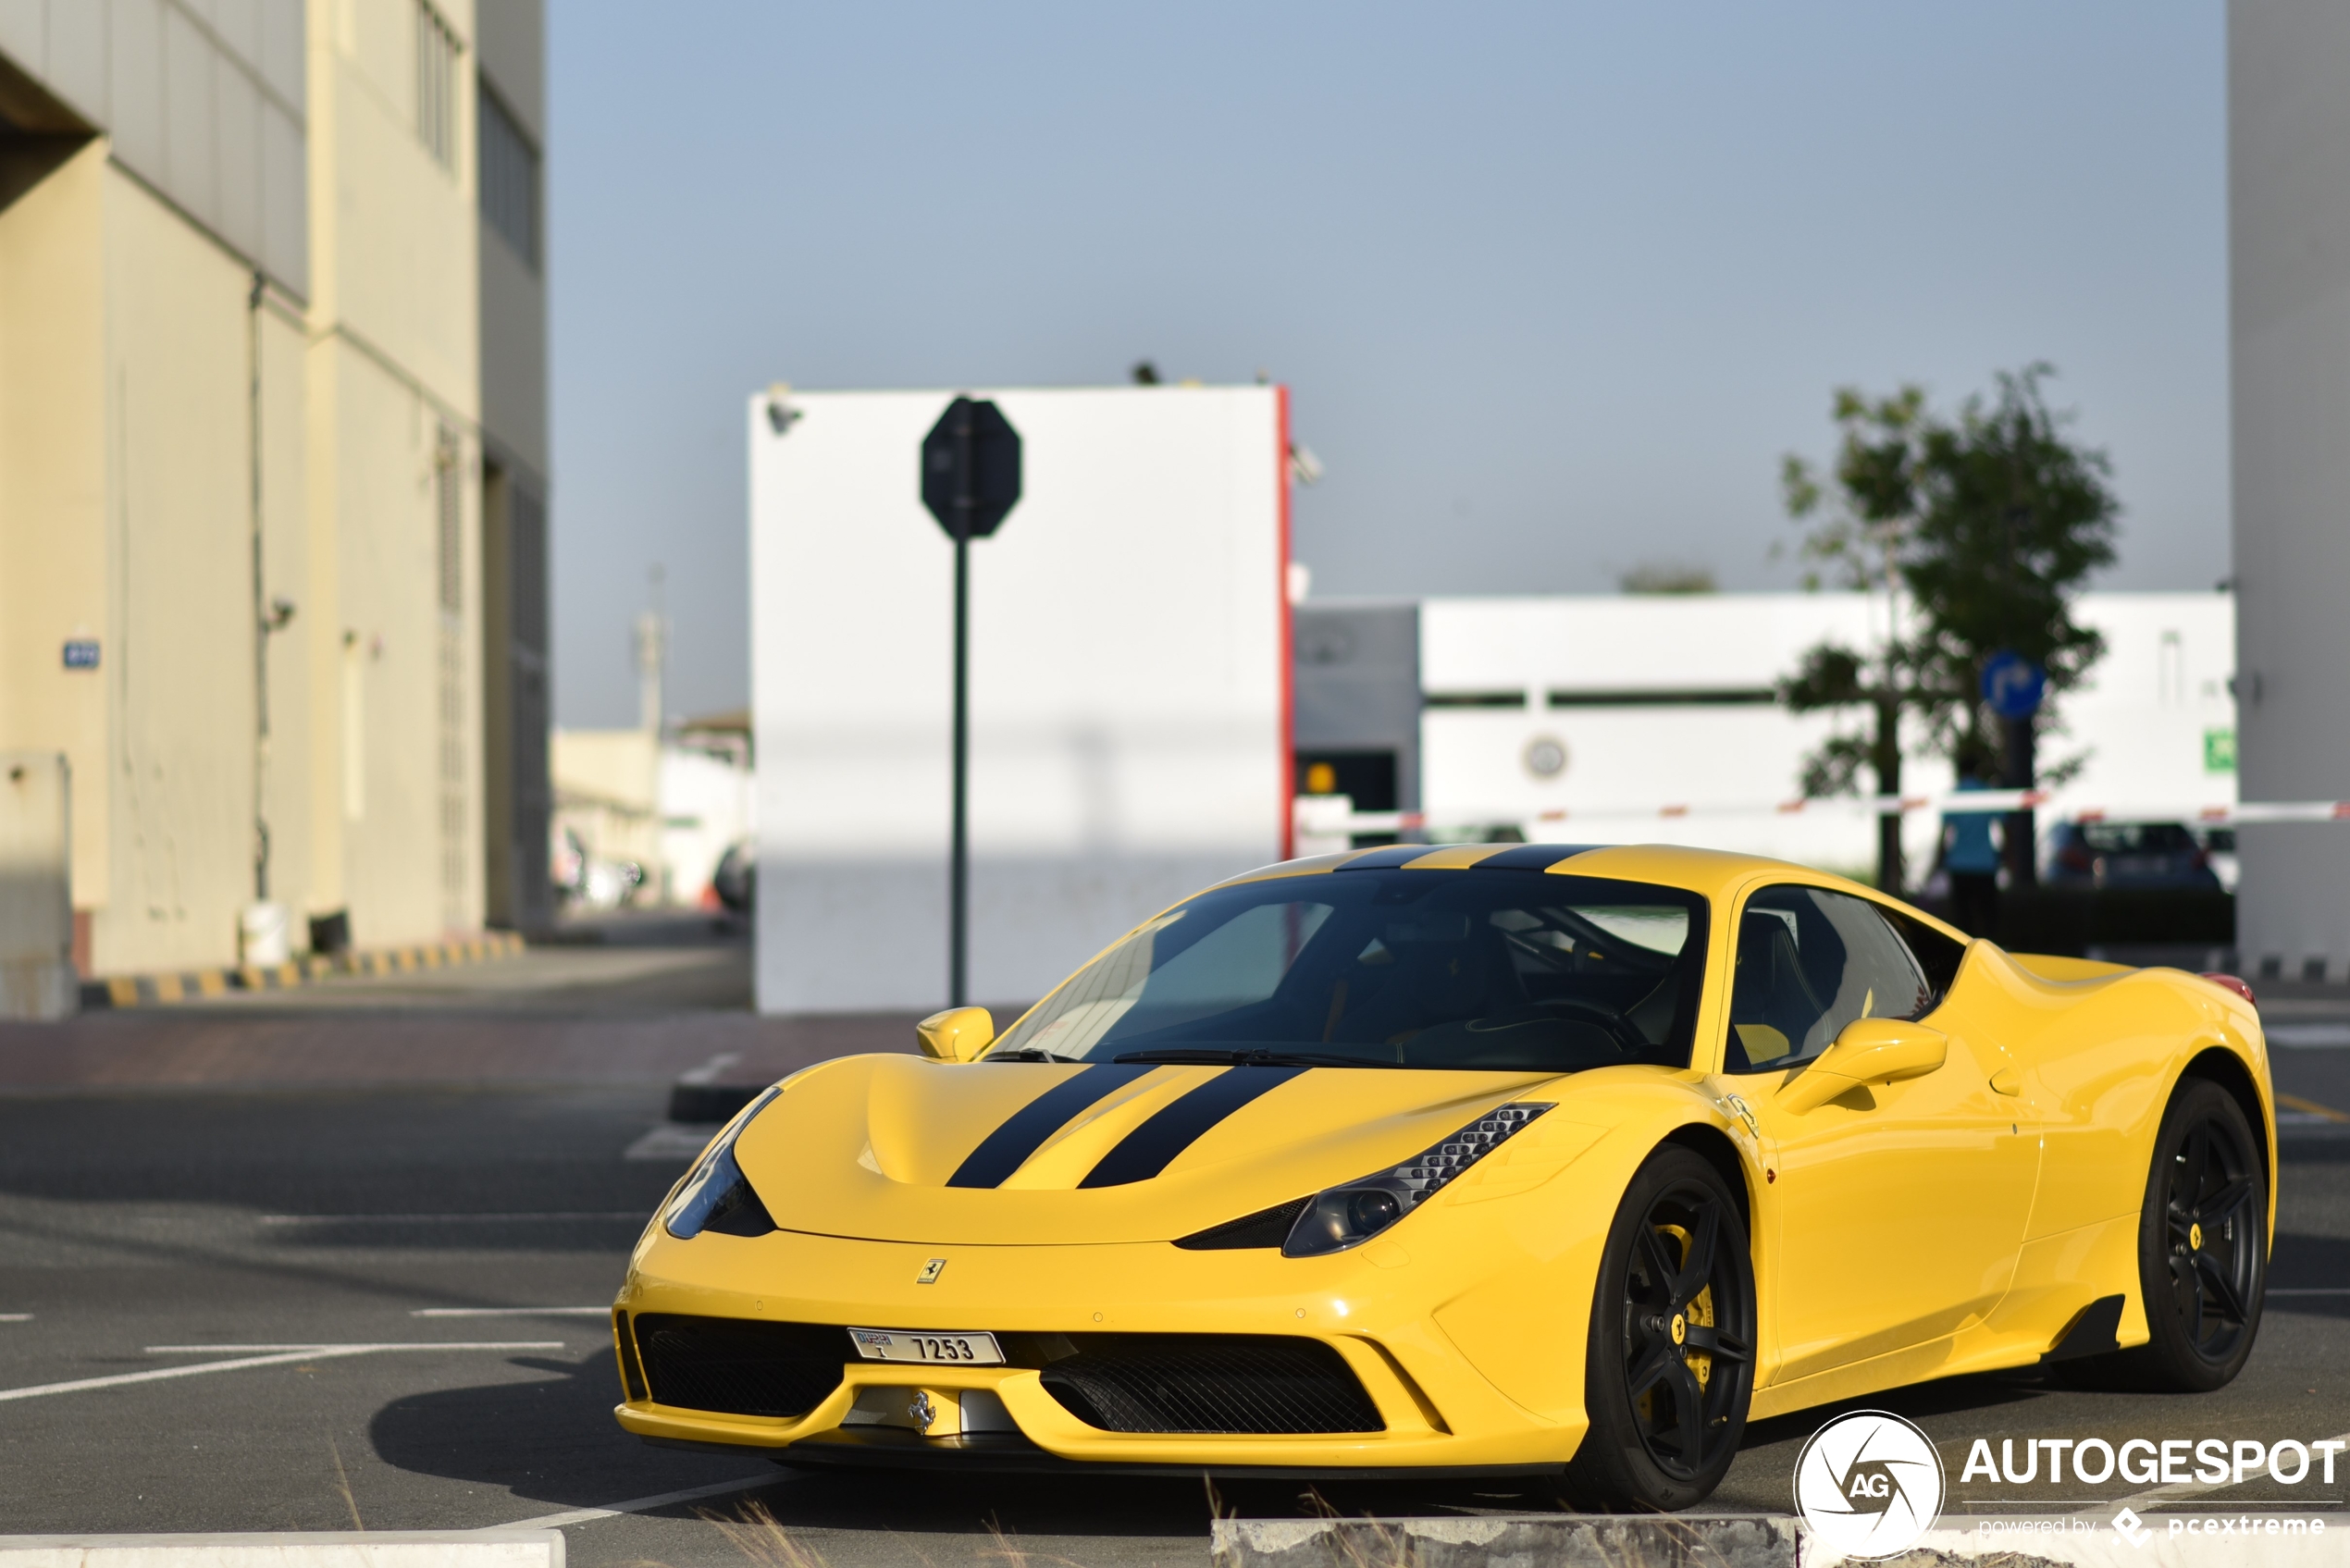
<point x="343" y="1484"/>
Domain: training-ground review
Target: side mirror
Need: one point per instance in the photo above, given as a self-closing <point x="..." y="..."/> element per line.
<point x="1869" y="1051"/>
<point x="959" y="1034"/>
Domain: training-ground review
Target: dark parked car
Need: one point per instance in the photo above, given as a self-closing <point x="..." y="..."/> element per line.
<point x="2134" y="855"/>
<point x="736" y="878"/>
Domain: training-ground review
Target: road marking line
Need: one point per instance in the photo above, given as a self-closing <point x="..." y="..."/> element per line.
<point x="279" y="1355"/>
<point x="161" y="1373"/>
<point x="638" y="1505"/>
<point x="16" y="1318"/>
<point x="347" y="1348"/>
<point x="708" y="1072"/>
<point x="631" y="1214"/>
<point x="2312" y="1107"/>
<point x="512" y="1312"/>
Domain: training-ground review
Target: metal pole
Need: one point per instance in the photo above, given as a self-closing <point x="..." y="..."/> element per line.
<point x="959" y="875"/>
<point x="958" y="853"/>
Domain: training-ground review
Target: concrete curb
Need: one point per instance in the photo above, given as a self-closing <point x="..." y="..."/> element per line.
<point x="1511" y="1540"/>
<point x="371" y="1548"/>
<point x="157" y="989"/>
<point x="1766" y="1540"/>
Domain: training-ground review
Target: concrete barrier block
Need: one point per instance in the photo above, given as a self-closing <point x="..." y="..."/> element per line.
<point x="1511" y="1540"/>
<point x="371" y="1548"/>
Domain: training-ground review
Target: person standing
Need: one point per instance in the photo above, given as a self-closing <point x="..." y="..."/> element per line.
<point x="1971" y="854"/>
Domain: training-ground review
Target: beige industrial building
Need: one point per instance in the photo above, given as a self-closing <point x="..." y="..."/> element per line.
<point x="273" y="464"/>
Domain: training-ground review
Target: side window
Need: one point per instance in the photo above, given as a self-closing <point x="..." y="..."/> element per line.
<point x="1937" y="955"/>
<point x="1809" y="961"/>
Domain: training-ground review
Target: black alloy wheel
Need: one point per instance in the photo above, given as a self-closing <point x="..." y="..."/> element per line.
<point x="2203" y="1243"/>
<point x="1670" y="1361"/>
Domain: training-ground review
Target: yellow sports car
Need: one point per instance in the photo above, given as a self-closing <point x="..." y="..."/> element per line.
<point x="1481" y="1158"/>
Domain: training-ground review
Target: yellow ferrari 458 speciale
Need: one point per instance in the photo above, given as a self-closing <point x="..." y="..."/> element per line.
<point x="1469" y="1159"/>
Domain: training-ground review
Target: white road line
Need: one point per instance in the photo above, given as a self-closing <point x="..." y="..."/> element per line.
<point x="282" y="1355"/>
<point x="345" y="1349"/>
<point x="161" y="1373"/>
<point x="631" y="1214"/>
<point x="638" y="1505"/>
<point x="514" y="1312"/>
<point x="708" y="1072"/>
<point x="16" y="1318"/>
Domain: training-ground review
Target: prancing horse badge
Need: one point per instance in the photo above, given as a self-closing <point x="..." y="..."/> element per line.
<point x="931" y="1271"/>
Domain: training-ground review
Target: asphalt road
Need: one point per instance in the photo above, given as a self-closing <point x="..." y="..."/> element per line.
<point x="417" y="1271"/>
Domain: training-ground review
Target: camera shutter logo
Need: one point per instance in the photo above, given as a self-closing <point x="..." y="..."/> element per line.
<point x="1868" y="1484"/>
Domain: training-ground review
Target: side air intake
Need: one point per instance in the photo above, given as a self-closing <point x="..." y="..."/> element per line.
<point x="739" y="1367"/>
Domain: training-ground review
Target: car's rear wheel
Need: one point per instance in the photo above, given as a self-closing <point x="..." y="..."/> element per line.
<point x="2203" y="1245"/>
<point x="1671" y="1361"/>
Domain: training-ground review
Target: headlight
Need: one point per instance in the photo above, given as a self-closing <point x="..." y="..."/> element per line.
<point x="1340" y="1217"/>
<point x="716" y="1195"/>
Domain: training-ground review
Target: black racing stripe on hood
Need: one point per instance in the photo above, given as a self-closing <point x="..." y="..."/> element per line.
<point x="1534" y="856"/>
<point x="1005" y="1150"/>
<point x="1153" y="1146"/>
<point x="1385" y="858"/>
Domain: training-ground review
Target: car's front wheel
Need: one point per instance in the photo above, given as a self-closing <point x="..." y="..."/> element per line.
<point x="1670" y="1361"/>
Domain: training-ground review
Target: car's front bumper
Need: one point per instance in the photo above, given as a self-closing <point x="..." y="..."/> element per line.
<point x="1383" y="1312"/>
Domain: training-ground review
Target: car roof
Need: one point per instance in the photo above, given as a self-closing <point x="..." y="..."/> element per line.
<point x="1710" y="872"/>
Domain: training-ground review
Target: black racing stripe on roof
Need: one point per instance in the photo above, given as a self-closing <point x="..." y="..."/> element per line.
<point x="1534" y="856"/>
<point x="1153" y="1146"/>
<point x="1386" y="858"/>
<point x="1005" y="1150"/>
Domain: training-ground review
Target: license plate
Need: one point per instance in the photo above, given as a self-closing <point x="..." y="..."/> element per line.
<point x="935" y="1349"/>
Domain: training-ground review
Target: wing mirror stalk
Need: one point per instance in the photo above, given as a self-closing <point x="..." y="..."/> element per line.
<point x="1869" y="1051"/>
<point x="959" y="1034"/>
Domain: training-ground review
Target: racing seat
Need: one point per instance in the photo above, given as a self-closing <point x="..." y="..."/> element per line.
<point x="1773" y="1007"/>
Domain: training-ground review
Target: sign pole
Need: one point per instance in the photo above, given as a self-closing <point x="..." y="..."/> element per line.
<point x="959" y="867"/>
<point x="970" y="479"/>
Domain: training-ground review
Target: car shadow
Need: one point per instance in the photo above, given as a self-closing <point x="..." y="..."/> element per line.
<point x="552" y="1439"/>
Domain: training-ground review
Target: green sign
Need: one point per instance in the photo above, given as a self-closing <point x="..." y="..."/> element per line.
<point x="2218" y="751"/>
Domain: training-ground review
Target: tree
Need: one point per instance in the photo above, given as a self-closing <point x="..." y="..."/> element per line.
<point x="1991" y="522"/>
<point x="1867" y="507"/>
<point x="2017" y="518"/>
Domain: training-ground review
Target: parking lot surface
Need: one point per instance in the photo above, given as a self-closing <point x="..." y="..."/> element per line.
<point x="395" y="1267"/>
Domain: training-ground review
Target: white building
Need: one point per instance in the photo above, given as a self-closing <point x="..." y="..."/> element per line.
<point x="1655" y="719"/>
<point x="2289" y="316"/>
<point x="1129" y="683"/>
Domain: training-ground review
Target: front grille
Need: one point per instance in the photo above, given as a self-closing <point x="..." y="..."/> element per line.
<point x="1244" y="1383"/>
<point x="739" y="1367"/>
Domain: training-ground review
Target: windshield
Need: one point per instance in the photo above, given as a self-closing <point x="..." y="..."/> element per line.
<point x="1417" y="968"/>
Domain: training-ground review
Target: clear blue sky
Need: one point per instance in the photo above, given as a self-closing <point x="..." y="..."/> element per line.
<point x="1554" y="286"/>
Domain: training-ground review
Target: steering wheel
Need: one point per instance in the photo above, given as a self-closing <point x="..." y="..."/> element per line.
<point x="1608" y="1021"/>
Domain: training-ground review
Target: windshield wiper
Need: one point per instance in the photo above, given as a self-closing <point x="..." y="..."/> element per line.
<point x="1212" y="1056"/>
<point x="1028" y="1054"/>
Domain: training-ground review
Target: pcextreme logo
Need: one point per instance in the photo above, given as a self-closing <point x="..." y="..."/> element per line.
<point x="1868" y="1484"/>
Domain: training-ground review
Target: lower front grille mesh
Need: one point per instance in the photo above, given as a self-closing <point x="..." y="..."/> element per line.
<point x="1243" y="1383"/>
<point x="739" y="1367"/>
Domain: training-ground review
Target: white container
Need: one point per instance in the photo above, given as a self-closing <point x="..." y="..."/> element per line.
<point x="261" y="934"/>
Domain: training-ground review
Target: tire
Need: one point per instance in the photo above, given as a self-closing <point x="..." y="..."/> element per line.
<point x="1670" y="1366"/>
<point x="2203" y="1250"/>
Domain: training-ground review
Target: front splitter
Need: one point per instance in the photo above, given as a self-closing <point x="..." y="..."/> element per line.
<point x="1004" y="1454"/>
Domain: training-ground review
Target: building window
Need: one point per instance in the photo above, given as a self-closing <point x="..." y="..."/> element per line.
<point x="509" y="179"/>
<point x="436" y="84"/>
